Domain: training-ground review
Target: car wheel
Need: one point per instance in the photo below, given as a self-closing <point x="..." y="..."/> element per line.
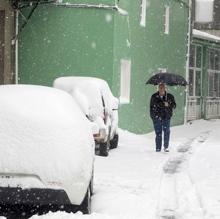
<point x="85" y="207"/>
<point x="104" y="149"/>
<point x="114" y="142"/>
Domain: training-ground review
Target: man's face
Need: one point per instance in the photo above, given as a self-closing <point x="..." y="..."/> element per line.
<point x="162" y="89"/>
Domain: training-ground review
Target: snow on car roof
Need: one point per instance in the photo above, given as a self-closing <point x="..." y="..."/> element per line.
<point x="92" y="87"/>
<point x="70" y="81"/>
<point x="38" y="131"/>
<point x="76" y="86"/>
<point x="38" y="101"/>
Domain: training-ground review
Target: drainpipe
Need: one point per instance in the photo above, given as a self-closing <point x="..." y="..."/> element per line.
<point x="187" y="60"/>
<point x="16" y="48"/>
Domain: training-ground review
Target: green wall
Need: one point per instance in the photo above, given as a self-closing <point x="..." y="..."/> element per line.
<point x="91" y="42"/>
<point x="150" y="49"/>
<point x="66" y="41"/>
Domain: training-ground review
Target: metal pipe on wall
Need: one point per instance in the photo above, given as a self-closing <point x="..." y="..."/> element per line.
<point x="187" y="60"/>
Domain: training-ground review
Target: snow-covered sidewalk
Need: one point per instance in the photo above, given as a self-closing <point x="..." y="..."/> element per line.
<point x="135" y="182"/>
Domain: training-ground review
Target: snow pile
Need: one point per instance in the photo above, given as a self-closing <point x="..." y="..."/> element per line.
<point x="204" y="11"/>
<point x="135" y="182"/>
<point x="205" y="171"/>
<point x="42" y="134"/>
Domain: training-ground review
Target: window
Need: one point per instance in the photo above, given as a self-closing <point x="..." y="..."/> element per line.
<point x="198" y="86"/>
<point x="214" y="73"/>
<point x="195" y="71"/>
<point x="211" y="84"/>
<point x="204" y="11"/>
<point x="211" y="59"/>
<point x="217" y="61"/>
<point x="167" y="20"/>
<point x="143" y="13"/>
<point x="125" y="81"/>
<point x="216" y="84"/>
<point x="191" y="82"/>
<point x="198" y="56"/>
<point x="192" y="56"/>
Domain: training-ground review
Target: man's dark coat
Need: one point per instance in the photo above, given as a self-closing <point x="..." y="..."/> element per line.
<point x="158" y="110"/>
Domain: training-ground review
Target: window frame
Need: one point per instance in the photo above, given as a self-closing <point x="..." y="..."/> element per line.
<point x="195" y="69"/>
<point x="212" y="71"/>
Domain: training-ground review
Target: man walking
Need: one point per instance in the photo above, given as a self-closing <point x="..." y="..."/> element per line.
<point x="161" y="111"/>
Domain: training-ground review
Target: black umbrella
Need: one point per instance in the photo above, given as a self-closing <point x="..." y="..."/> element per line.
<point x="168" y="79"/>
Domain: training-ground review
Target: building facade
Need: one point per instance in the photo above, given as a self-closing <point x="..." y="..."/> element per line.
<point x="204" y="67"/>
<point x="212" y="25"/>
<point x="124" y="42"/>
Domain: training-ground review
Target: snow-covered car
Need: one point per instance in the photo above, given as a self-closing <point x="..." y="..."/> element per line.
<point x="46" y="150"/>
<point x="98" y="104"/>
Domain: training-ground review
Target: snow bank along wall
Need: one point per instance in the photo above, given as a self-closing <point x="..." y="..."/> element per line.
<point x="61" y="41"/>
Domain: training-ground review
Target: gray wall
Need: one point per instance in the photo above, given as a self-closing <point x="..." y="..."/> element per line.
<point x="7" y="69"/>
<point x="216" y="19"/>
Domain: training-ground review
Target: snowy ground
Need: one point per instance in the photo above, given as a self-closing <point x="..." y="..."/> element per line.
<point x="135" y="182"/>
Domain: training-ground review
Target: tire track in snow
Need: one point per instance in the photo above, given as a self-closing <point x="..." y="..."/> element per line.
<point x="167" y="203"/>
<point x="174" y="200"/>
<point x="168" y="200"/>
<point x="190" y="202"/>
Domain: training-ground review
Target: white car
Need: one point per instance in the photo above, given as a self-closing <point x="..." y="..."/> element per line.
<point x="46" y="150"/>
<point x="98" y="104"/>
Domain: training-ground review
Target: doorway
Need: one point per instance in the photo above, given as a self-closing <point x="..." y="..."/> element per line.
<point x="195" y="83"/>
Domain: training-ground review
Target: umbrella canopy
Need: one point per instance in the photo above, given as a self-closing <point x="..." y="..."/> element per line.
<point x="168" y="79"/>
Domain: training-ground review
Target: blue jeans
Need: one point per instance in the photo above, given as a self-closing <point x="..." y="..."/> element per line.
<point x="159" y="126"/>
